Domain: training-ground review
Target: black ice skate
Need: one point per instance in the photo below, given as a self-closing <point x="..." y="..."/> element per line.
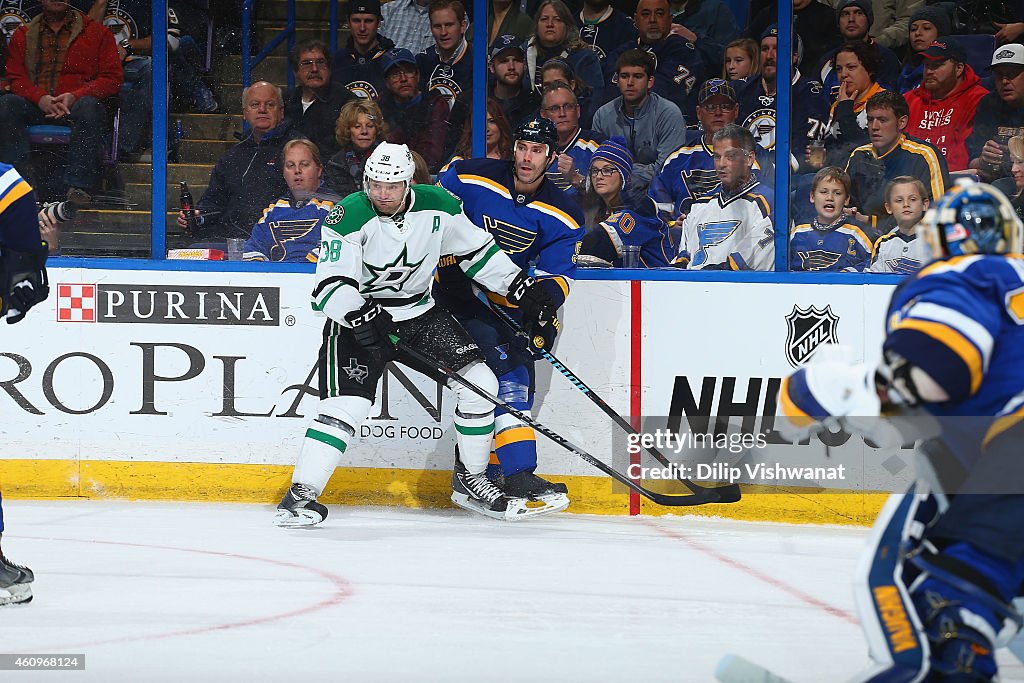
<point x="529" y="485"/>
<point x="477" y="493"/>
<point x="299" y="508"/>
<point x="15" y="582"/>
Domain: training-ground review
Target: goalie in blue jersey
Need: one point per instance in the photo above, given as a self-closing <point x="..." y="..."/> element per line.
<point x="23" y="284"/>
<point x="935" y="590"/>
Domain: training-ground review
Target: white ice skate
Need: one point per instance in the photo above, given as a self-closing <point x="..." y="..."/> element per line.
<point x="477" y="493"/>
<point x="299" y="508"/>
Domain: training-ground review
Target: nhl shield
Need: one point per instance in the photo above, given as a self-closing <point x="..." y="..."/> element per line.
<point x="809" y="328"/>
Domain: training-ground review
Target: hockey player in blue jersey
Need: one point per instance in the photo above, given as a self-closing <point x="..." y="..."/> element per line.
<point x="947" y="559"/>
<point x="533" y="222"/>
<point x="831" y="241"/>
<point x="23" y="284"/>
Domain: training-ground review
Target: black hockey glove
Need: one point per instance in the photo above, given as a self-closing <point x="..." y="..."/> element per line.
<point x="373" y="327"/>
<point x="23" y="282"/>
<point x="540" y="315"/>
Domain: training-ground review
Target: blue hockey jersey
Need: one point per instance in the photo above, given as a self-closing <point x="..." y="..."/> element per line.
<point x="363" y="75"/>
<point x="541" y="229"/>
<point x="581" y="148"/>
<point x="604" y="35"/>
<point x="454" y="79"/>
<point x="844" y="245"/>
<point x="19" y="220"/>
<point x="630" y="227"/>
<point x="809" y="112"/>
<point x="678" y="74"/>
<point x="288" y="231"/>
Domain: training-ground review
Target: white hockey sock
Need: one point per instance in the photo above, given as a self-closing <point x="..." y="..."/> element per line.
<point x="321" y="453"/>
<point x="474" y="417"/>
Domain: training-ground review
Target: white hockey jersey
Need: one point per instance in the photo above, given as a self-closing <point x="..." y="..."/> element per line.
<point x="364" y="255"/>
<point x="734" y="233"/>
<point x="895" y="252"/>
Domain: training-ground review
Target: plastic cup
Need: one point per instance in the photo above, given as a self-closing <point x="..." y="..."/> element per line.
<point x="816" y="153"/>
<point x="630" y="256"/>
<point x="235" y="248"/>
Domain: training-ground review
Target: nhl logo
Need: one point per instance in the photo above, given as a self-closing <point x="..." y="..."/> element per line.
<point x="809" y="328"/>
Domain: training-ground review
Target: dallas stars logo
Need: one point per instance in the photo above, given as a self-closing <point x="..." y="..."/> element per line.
<point x="355" y="371"/>
<point x="393" y="275"/>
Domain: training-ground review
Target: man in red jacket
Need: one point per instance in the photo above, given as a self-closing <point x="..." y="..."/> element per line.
<point x="61" y="66"/>
<point x="942" y="108"/>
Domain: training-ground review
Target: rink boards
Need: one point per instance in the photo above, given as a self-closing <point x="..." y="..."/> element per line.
<point x="199" y="385"/>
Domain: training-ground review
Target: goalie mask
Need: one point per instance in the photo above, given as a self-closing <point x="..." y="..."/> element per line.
<point x="973" y="218"/>
<point x="388" y="166"/>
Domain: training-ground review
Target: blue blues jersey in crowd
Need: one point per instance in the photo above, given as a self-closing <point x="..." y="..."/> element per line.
<point x="688" y="173"/>
<point x="541" y="229"/>
<point x="362" y="74"/>
<point x="581" y="148"/>
<point x="288" y="231"/>
<point x="961" y="320"/>
<point x="809" y="112"/>
<point x="607" y="33"/>
<point x="844" y="245"/>
<point x="678" y="74"/>
<point x="453" y="80"/>
<point x="630" y="227"/>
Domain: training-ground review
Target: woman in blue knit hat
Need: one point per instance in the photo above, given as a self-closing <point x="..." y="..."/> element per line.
<point x="614" y="219"/>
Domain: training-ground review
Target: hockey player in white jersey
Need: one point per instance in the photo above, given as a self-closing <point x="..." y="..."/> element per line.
<point x="731" y="227"/>
<point x="378" y="254"/>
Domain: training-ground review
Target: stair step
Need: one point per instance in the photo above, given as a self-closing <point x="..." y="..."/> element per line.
<point x="303" y="32"/>
<point x="305" y="10"/>
<point x="228" y="68"/>
<point x="204" y="151"/>
<point x="140" y="195"/>
<point x="209" y="126"/>
<point x="193" y="174"/>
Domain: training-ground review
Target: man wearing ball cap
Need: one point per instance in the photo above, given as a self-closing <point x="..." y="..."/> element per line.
<point x="1000" y="114"/>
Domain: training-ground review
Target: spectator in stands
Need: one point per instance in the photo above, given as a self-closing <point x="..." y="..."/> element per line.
<point x="507" y="66"/>
<point x="890" y="20"/>
<point x="313" y="104"/>
<point x="757" y="98"/>
<point x="288" y="231"/>
<point x="358" y="131"/>
<point x="732" y="227"/>
<point x="927" y="25"/>
<point x="497" y="139"/>
<point x="679" y="67"/>
<point x="248" y="177"/>
<point x="556" y="70"/>
<point x="742" y="61"/>
<point x="652" y="126"/>
<point x="407" y="23"/>
<point x="943" y="107"/>
<point x="854" y="17"/>
<point x="359" y="65"/>
<point x="506" y="19"/>
<point x="856" y="64"/>
<point x="902" y="250"/>
<point x="831" y="241"/>
<point x="616" y="219"/>
<point x="576" y="145"/>
<point x="557" y="37"/>
<point x="689" y="172"/>
<point x="1000" y="114"/>
<point x="1012" y="187"/>
<point x="446" y="66"/>
<point x="604" y="27"/>
<point x="418" y="119"/>
<point x="814" y="22"/>
<point x="891" y="153"/>
<point x="61" y="68"/>
<point x="708" y="24"/>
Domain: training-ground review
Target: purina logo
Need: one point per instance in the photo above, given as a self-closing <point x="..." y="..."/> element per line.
<point x="809" y="328"/>
<point x="168" y="305"/>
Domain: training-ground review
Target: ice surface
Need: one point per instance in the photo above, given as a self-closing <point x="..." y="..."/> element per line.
<point x="202" y="592"/>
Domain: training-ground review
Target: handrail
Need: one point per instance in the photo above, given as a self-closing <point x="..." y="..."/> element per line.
<point x="287" y="33"/>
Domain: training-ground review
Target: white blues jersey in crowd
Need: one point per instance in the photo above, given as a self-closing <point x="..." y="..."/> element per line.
<point x="895" y="252"/>
<point x="730" y="233"/>
<point x="364" y="255"/>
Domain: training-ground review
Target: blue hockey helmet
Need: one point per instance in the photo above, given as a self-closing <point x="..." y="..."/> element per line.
<point x="973" y="218"/>
<point x="538" y="129"/>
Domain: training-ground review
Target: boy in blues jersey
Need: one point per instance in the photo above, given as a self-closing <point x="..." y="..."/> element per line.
<point x="532" y="221"/>
<point x="947" y="558"/>
<point x="831" y="241"/>
<point x="23" y="284"/>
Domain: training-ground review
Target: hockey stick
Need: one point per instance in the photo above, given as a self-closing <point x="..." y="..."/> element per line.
<point x="725" y="494"/>
<point x="698" y="498"/>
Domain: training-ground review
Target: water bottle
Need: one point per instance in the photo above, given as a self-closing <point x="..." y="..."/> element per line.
<point x="179" y="132"/>
<point x="188" y="206"/>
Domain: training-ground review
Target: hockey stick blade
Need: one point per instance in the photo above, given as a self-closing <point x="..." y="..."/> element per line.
<point x="730" y="493"/>
<point x="697" y="498"/>
<point x="736" y="669"/>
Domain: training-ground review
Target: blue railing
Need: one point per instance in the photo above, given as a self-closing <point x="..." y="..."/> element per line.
<point x="159" y="173"/>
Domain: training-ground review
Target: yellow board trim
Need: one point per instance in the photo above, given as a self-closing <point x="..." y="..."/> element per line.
<point x="266" y="484"/>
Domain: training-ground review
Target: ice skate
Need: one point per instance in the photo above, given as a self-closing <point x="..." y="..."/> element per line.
<point x="529" y="485"/>
<point x="477" y="493"/>
<point x="15" y="582"/>
<point x="299" y="508"/>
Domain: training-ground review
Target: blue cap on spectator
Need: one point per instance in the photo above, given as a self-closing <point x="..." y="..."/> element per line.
<point x="397" y="55"/>
<point x="365" y="7"/>
<point x="772" y="31"/>
<point x="944" y="48"/>
<point x="716" y="86"/>
<point x="615" y="152"/>
<point x="506" y="42"/>
<point x="798" y="43"/>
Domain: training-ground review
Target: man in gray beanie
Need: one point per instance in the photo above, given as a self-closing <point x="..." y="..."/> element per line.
<point x="854" y="18"/>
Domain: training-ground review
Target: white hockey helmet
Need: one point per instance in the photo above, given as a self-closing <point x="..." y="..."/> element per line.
<point x="389" y="163"/>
